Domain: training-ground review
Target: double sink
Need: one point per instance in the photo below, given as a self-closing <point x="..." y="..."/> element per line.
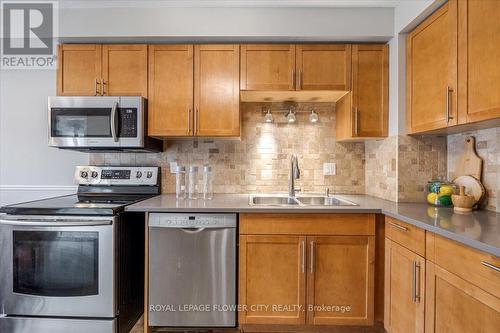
<point x="301" y="200"/>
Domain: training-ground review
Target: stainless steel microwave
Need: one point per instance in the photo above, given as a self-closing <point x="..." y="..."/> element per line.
<point x="114" y="123"/>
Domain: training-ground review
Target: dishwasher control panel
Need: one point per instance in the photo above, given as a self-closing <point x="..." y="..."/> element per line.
<point x="186" y="220"/>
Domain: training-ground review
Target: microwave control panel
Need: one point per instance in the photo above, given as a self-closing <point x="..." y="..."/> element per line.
<point x="128" y="123"/>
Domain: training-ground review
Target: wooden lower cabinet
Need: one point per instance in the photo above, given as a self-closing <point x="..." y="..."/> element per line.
<point x="340" y="283"/>
<point x="299" y="280"/>
<point x="404" y="289"/>
<point x="272" y="275"/>
<point x="455" y="305"/>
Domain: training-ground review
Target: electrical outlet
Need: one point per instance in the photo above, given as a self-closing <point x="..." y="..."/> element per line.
<point x="173" y="167"/>
<point x="329" y="169"/>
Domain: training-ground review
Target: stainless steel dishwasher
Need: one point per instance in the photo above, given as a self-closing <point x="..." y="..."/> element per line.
<point x="192" y="270"/>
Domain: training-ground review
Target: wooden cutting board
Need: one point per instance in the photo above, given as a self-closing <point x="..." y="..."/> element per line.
<point x="469" y="163"/>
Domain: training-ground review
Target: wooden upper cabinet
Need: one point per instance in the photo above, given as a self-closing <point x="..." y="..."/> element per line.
<point x="323" y="66"/>
<point x="79" y="70"/>
<point x="217" y="90"/>
<point x="432" y="72"/>
<point x="404" y="290"/>
<point x="112" y="70"/>
<point x="370" y="89"/>
<point x="170" y="102"/>
<point x="455" y="305"/>
<point x="341" y="273"/>
<point x="267" y="67"/>
<point x="479" y="53"/>
<point x="125" y="70"/>
<point x="272" y="272"/>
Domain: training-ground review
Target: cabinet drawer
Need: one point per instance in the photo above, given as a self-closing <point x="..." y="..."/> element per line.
<point x="307" y="224"/>
<point x="471" y="265"/>
<point x="405" y="234"/>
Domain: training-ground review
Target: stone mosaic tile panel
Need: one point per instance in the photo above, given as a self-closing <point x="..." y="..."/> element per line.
<point x="259" y="162"/>
<point x="381" y="168"/>
<point x="420" y="159"/>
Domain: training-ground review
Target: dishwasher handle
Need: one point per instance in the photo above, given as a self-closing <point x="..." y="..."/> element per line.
<point x="192" y="230"/>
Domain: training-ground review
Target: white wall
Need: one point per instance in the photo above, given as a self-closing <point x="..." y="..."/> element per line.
<point x="250" y="23"/>
<point x="29" y="169"/>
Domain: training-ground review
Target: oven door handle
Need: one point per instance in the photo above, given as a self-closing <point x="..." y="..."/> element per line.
<point x="56" y="223"/>
<point x="114" y="121"/>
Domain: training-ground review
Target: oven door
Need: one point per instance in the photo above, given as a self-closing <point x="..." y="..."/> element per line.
<point x="96" y="122"/>
<point x="55" y="266"/>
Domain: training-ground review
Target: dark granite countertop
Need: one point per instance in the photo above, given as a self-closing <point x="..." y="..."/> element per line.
<point x="480" y="229"/>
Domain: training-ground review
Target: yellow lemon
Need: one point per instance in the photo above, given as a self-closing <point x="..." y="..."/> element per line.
<point x="446" y="190"/>
<point x="431" y="198"/>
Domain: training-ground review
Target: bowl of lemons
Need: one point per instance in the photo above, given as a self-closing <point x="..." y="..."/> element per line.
<point x="439" y="193"/>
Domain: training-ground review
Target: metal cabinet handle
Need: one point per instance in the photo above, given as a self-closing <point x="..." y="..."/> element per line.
<point x="196" y="120"/>
<point x="299" y="84"/>
<point x="312" y="257"/>
<point x="189" y="122"/>
<point x="493" y="267"/>
<point x="416" y="283"/>
<point x="293" y="79"/>
<point x="303" y="263"/>
<point x="114" y="121"/>
<point x="397" y="226"/>
<point x="449" y="117"/>
<point x="355" y="121"/>
<point x="96" y="83"/>
<point x="103" y="83"/>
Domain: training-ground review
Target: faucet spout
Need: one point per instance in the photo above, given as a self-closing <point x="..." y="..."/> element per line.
<point x="294" y="174"/>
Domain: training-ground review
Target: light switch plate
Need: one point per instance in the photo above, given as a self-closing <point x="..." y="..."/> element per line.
<point x="329" y="169"/>
<point x="173" y="167"/>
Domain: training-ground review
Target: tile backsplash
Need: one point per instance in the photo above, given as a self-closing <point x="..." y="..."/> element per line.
<point x="396" y="168"/>
<point x="259" y="162"/>
<point x="488" y="148"/>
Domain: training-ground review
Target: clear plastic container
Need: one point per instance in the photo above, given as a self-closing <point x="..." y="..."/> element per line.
<point x="208" y="183"/>
<point x="439" y="193"/>
<point x="193" y="182"/>
<point x="180" y="183"/>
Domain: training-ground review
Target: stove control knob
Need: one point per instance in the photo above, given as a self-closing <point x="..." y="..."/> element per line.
<point x="94" y="174"/>
<point x="138" y="174"/>
<point x="149" y="174"/>
<point x="84" y="174"/>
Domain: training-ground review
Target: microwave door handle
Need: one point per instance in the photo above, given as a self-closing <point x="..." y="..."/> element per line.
<point x="114" y="121"/>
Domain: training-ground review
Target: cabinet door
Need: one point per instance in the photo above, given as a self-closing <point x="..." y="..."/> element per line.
<point x="267" y="67"/>
<point x="323" y="66"/>
<point x="340" y="282"/>
<point x="370" y="92"/>
<point x="455" y="305"/>
<point x="79" y="70"/>
<point x="404" y="290"/>
<point x="432" y="71"/>
<point x="478" y="52"/>
<point x="272" y="274"/>
<point x="217" y="90"/>
<point x="170" y="102"/>
<point x="125" y="70"/>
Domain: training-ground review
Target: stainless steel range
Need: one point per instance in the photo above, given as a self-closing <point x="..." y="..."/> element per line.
<point x="76" y="262"/>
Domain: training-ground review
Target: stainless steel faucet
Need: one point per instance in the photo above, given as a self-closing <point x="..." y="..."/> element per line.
<point x="294" y="174"/>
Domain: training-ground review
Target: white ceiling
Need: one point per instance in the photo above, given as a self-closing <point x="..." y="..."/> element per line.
<point x="229" y="3"/>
